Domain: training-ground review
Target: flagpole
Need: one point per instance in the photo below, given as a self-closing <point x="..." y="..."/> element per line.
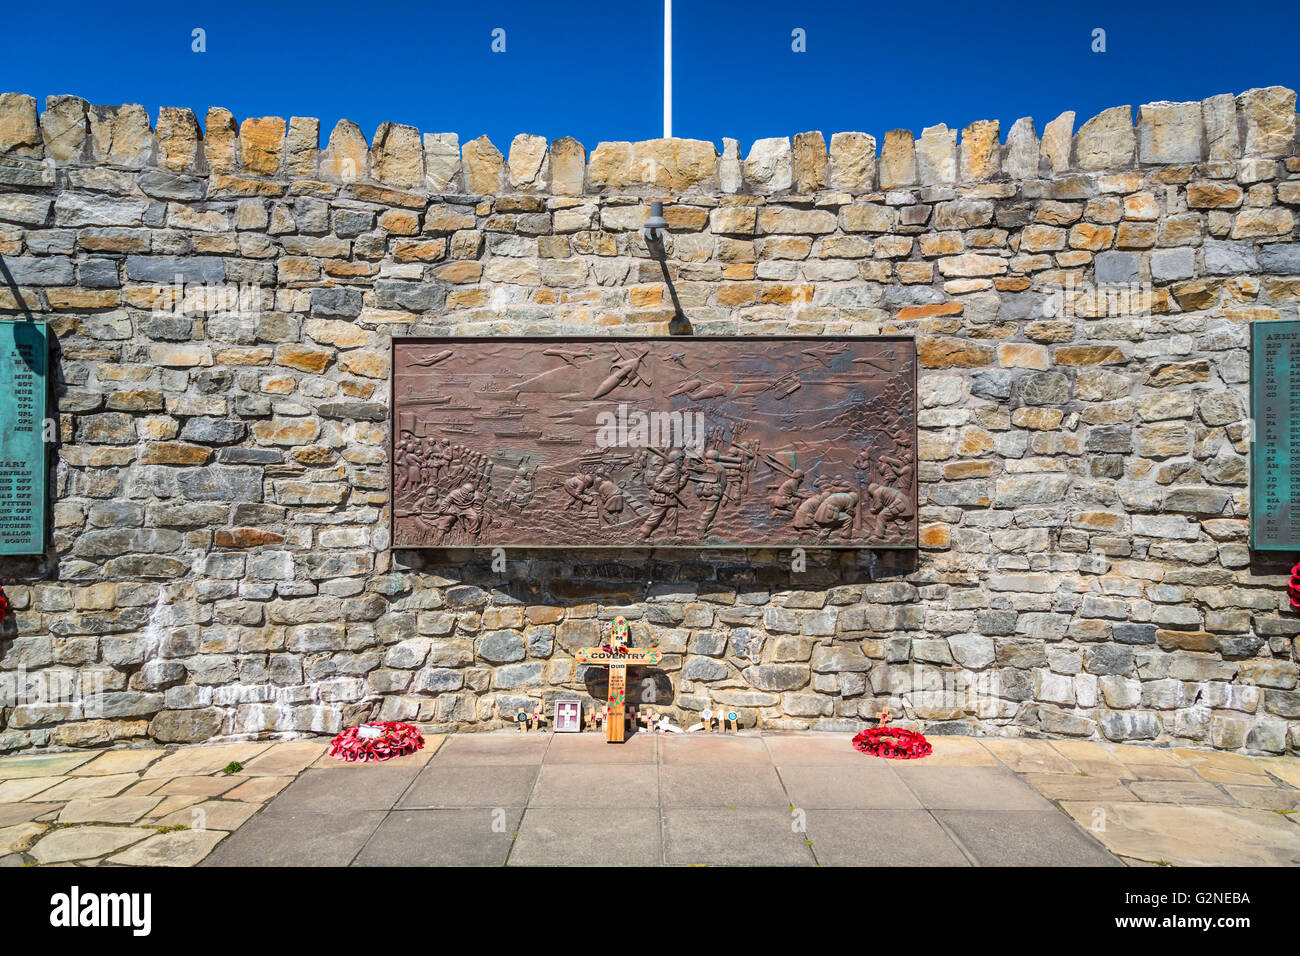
<point x="668" y="69"/>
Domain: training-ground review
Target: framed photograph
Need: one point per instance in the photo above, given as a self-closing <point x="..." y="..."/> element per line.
<point x="568" y="716"/>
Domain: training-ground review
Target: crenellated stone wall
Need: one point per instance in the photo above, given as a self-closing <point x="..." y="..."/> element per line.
<point x="223" y="302"/>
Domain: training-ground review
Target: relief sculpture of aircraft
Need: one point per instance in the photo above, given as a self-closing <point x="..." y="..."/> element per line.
<point x="569" y="356"/>
<point x="626" y="371"/>
<point x="433" y="359"/>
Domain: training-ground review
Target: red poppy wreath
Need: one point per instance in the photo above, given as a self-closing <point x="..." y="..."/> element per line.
<point x="378" y="741"/>
<point x="895" y="743"/>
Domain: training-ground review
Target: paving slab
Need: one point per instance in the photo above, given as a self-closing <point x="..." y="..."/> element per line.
<point x="593" y="749"/>
<point x="1060" y="786"/>
<point x="82" y="843"/>
<point x="1092" y="759"/>
<point x="43" y="765"/>
<point x="11" y="813"/>
<point x="615" y="836"/>
<point x="792" y="751"/>
<point x="120" y="761"/>
<point x="197" y="786"/>
<point x="597" y="785"/>
<point x="712" y="750"/>
<point x="1192" y="836"/>
<point x="1162" y="771"/>
<point x="320" y="791"/>
<point x="449" y="837"/>
<point x="744" y="836"/>
<point x="1193" y="792"/>
<point x="20" y="836"/>
<point x="1024" y="838"/>
<point x="724" y="786"/>
<point x="284" y="758"/>
<point x="492" y="749"/>
<point x="211" y="815"/>
<point x="1222" y="767"/>
<point x="73" y="788"/>
<point x="181" y="848"/>
<point x="24" y="788"/>
<point x="258" y="789"/>
<point x="881" y="838"/>
<point x="107" y="810"/>
<point x="1286" y="769"/>
<point x="951" y="751"/>
<point x="171" y="804"/>
<point x="295" y="838"/>
<point x="1145" y="755"/>
<point x="873" y="786"/>
<point x="970" y="788"/>
<point x="466" y="785"/>
<point x="198" y="761"/>
<point x="1265" y="798"/>
<point x="1030" y="756"/>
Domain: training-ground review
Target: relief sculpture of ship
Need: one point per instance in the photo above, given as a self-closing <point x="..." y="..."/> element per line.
<point x="740" y="441"/>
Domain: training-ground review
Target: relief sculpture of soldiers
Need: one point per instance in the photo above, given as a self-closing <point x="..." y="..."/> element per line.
<point x="690" y="442"/>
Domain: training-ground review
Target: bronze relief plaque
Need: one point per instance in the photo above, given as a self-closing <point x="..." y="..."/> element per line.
<point x="735" y="441"/>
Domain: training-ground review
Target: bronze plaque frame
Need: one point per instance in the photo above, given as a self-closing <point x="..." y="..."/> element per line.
<point x="725" y="479"/>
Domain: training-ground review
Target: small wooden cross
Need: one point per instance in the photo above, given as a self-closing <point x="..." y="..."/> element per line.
<point x="617" y="658"/>
<point x="883" y="717"/>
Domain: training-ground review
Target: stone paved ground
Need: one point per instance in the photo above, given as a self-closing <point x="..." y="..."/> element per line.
<point x="786" y="799"/>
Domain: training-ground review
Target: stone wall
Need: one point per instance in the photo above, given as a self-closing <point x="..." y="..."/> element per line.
<point x="219" y="561"/>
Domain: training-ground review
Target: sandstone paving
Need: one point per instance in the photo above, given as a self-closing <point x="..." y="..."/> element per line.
<point x="1225" y="768"/>
<point x="1191" y="836"/>
<point x="73" y="788"/>
<point x="85" y="842"/>
<point x="191" y="761"/>
<point x="1160" y="771"/>
<point x="1030" y="756"/>
<point x="1059" y="786"/>
<point x="210" y="815"/>
<point x="107" y="810"/>
<point x="1200" y="793"/>
<point x="286" y="758"/>
<point x="41" y="766"/>
<point x="11" y="813"/>
<point x="1266" y="798"/>
<point x="1091" y="758"/>
<point x="213" y="786"/>
<point x="959" y="752"/>
<point x="120" y="761"/>
<point x="1145" y="756"/>
<point x="171" y="804"/>
<point x="20" y="836"/>
<point x="259" y="789"/>
<point x="184" y="848"/>
<point x="24" y="788"/>
<point x="1285" y="769"/>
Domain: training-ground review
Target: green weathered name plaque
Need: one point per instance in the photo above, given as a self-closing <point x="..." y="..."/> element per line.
<point x="24" y="357"/>
<point x="1275" y="449"/>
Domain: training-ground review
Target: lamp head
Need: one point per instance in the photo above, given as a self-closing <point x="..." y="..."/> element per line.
<point x="656" y="225"/>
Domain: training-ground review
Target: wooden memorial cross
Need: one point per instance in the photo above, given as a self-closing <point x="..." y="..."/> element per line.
<point x="617" y="655"/>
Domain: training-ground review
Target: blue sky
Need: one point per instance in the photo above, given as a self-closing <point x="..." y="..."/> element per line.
<point x="593" y="69"/>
